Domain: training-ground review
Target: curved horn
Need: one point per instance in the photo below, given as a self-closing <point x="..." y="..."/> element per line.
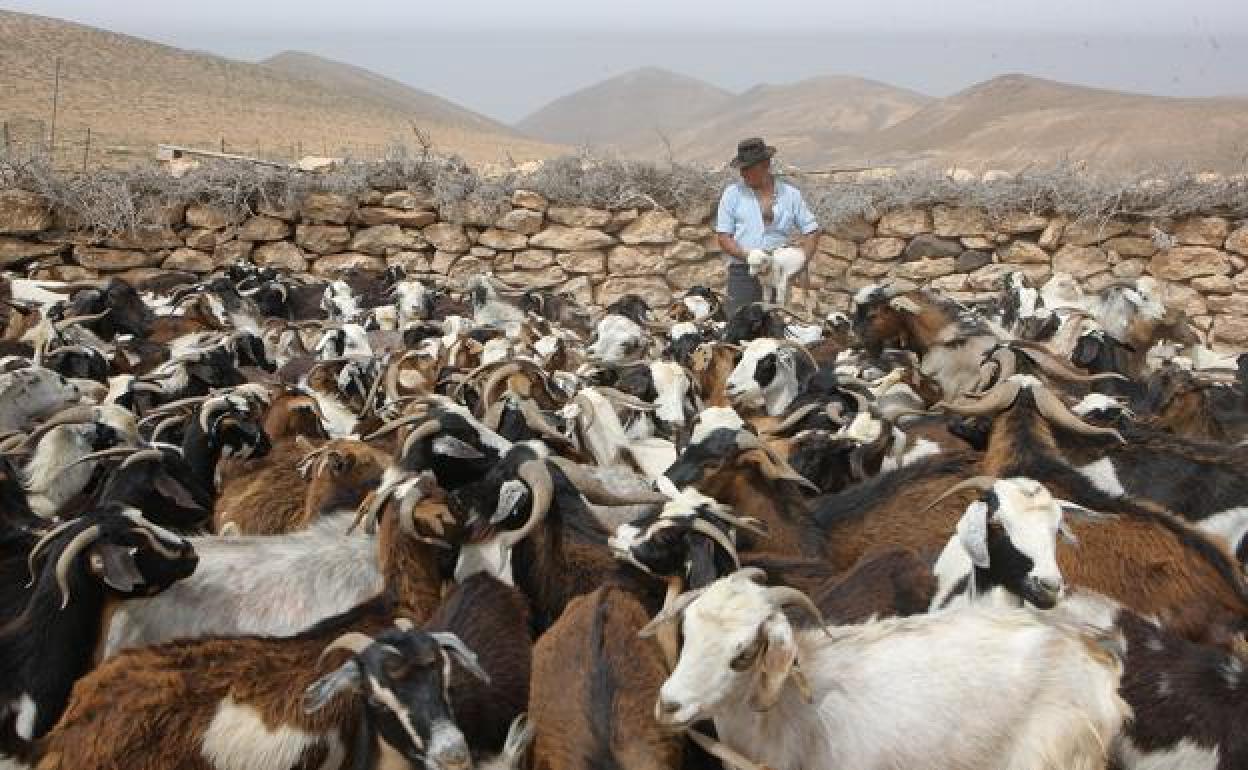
<point x="980" y="483"/>
<point x="720" y="539"/>
<point x="1054" y="410"/>
<point x="671" y="612"/>
<point x="47" y="537"/>
<point x="536" y="476"/>
<point x="103" y="454"/>
<point x="795" y="417"/>
<point x="787" y="596"/>
<point x="596" y="491"/>
<point x="352" y="641"/>
<point x="76" y="415"/>
<point x="143" y="454"/>
<point x="990" y="403"/>
<point x="420" y="433"/>
<point x="782" y="471"/>
<point x="535" y="419"/>
<point x="73" y="319"/>
<point x="80" y="543"/>
<point x="391" y="426"/>
<point x="1056" y="367"/>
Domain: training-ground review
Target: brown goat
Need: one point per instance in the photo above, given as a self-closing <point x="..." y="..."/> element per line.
<point x="711" y="364"/>
<point x="192" y="704"/>
<point x="595" y="683"/>
<point x="295" y="484"/>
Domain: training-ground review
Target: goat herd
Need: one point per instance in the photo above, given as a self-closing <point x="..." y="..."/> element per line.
<point x="268" y="522"/>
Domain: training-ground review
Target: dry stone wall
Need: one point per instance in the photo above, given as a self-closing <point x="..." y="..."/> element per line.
<point x="598" y="255"/>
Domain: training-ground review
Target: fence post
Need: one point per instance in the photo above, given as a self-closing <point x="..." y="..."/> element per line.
<point x="222" y="145"/>
<point x="8" y="141"/>
<point x="86" y="151"/>
<point x="56" y="98"/>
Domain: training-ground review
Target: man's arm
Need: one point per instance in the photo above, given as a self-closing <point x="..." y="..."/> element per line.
<point x="809" y="228"/>
<point x="808" y="243"/>
<point x="730" y="246"/>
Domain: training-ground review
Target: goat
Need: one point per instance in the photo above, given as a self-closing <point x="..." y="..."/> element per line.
<point x="27" y="395"/>
<point x="790" y="698"/>
<point x="770" y="375"/>
<point x="88" y="565"/>
<point x="776" y="270"/>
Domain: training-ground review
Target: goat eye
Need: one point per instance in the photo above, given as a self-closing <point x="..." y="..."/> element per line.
<point x="745" y="659"/>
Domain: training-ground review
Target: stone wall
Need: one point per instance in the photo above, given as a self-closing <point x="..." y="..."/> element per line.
<point x="599" y="255"/>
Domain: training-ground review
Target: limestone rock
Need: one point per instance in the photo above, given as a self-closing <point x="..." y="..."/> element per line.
<point x="15" y="250"/>
<point x="533" y="259"/>
<point x="710" y="273"/>
<point x="1237" y="241"/>
<point x="957" y="221"/>
<point x="371" y="216"/>
<point x="650" y="227"/>
<point x="1232" y="330"/>
<point x="282" y="255"/>
<point x="696" y="213"/>
<point x="867" y="269"/>
<point x="856" y="230"/>
<point x="1184" y="262"/>
<point x="1080" y="261"/>
<point x="146" y="238"/>
<point x="652" y="289"/>
<point x="521" y="221"/>
<point x="634" y="260"/>
<point x="971" y="260"/>
<point x="23" y="213"/>
<point x="978" y="243"/>
<point x="1232" y="304"/>
<point x="277" y="210"/>
<point x="838" y="247"/>
<point x="443" y="261"/>
<point x="694" y="232"/>
<point x="923" y="246"/>
<point x="904" y="223"/>
<point x="593" y="262"/>
<point x="1202" y="231"/>
<point x="1052" y="234"/>
<point x="621" y="219"/>
<point x="564" y="238"/>
<point x="1213" y="284"/>
<point x="482" y="252"/>
<point x="190" y="260"/>
<point x="504" y="240"/>
<point x="881" y="249"/>
<point x="110" y="260"/>
<point x="1018" y="222"/>
<point x="1130" y="268"/>
<point x="527" y="199"/>
<point x="201" y="240"/>
<point x="408" y="200"/>
<point x="327" y="208"/>
<point x="411" y="261"/>
<point x="684" y="251"/>
<point x="446" y="236"/>
<point x="1090" y="233"/>
<point x="542" y="278"/>
<point x="1185" y="298"/>
<point x="206" y="216"/>
<point x="955" y="282"/>
<point x="264" y="229"/>
<point x="337" y="264"/>
<point x="829" y="266"/>
<point x="232" y="251"/>
<point x="322" y="239"/>
<point x="63" y="273"/>
<point x="382" y="240"/>
<point x="1131" y="246"/>
<point x="1023" y="253"/>
<point x="924" y="269"/>
<point x="580" y="289"/>
<point x="470" y="212"/>
<point x="578" y="216"/>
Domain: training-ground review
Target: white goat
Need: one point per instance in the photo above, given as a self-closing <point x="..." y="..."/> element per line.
<point x="1042" y="688"/>
<point x="274" y="586"/>
<point x="775" y="270"/>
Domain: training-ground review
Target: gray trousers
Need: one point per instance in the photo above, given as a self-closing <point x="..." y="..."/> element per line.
<point x="743" y="288"/>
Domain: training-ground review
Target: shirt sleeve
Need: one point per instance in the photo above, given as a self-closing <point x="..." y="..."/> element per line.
<point x="804" y="218"/>
<point x="725" y="221"/>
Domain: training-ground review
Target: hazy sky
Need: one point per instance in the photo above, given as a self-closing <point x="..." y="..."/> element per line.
<point x="508" y="58"/>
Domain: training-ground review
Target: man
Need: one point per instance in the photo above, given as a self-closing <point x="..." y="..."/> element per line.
<point x="759" y="212"/>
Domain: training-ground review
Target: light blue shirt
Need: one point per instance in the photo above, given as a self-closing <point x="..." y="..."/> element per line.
<point x="741" y="217"/>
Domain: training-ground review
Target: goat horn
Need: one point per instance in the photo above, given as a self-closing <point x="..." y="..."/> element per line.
<point x="103" y="454"/>
<point x="376" y="502"/>
<point x="76" y="415"/>
<point x="142" y="454"/>
<point x="788" y="596"/>
<point x="47" y="537"/>
<point x="73" y="319"/>
<point x="69" y="288"/>
<point x="596" y="491"/>
<point x="352" y="641"/>
<point x="795" y="417"/>
<point x="1053" y="409"/>
<point x="1056" y="367"/>
<point x="672" y="611"/>
<point x="748" y="523"/>
<point x="164" y="425"/>
<point x="420" y="433"/>
<point x="370" y="400"/>
<point x="747" y="440"/>
<point x="535" y="419"/>
<point x="980" y="483"/>
<point x="786" y="311"/>
<point x="80" y="543"/>
<point x="624" y="399"/>
<point x="715" y="534"/>
<point x="460" y="652"/>
<point x="990" y="403"/>
<point x="536" y="476"/>
<point x="391" y="426"/>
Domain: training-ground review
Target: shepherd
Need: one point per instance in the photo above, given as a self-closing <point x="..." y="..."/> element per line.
<point x="759" y="212"/>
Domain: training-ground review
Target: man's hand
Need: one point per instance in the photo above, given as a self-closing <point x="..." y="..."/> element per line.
<point x="809" y="243"/>
<point x="729" y="246"/>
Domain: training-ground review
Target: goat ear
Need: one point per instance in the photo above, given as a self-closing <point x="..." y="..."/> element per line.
<point x="114" y="564"/>
<point x="776" y="662"/>
<point x="171" y="489"/>
<point x="777" y="469"/>
<point x="1068" y="534"/>
<point x="344" y="679"/>
<point x="450" y="446"/>
<point x="973" y="533"/>
<point x="509" y="496"/>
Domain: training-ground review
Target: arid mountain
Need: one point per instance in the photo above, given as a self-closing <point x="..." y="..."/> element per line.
<point x="810" y="122"/>
<point x="625" y="110"/>
<point x="1014" y="120"/>
<point x="135" y="93"/>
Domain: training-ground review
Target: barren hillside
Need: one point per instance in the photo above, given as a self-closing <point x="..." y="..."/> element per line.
<point x="137" y="93"/>
<point x="625" y="110"/>
<point x="1015" y="120"/>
